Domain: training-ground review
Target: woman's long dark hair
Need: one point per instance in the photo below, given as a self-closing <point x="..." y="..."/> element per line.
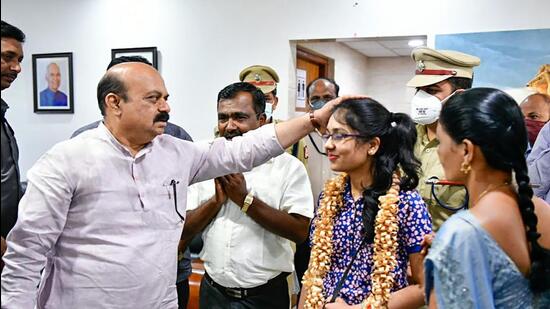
<point x="397" y="134"/>
<point x="492" y="120"/>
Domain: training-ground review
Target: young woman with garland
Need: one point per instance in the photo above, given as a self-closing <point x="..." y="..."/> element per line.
<point x="369" y="218"/>
<point x="495" y="254"/>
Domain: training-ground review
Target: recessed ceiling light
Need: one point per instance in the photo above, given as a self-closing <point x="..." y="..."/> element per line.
<point x="416" y="43"/>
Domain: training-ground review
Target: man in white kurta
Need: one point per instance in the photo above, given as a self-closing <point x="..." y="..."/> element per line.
<point x="101" y="210"/>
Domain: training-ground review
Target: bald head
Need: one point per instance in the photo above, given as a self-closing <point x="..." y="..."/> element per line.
<point x="134" y="102"/>
<point x="536" y="107"/>
<point x="120" y="77"/>
<point x="53" y="76"/>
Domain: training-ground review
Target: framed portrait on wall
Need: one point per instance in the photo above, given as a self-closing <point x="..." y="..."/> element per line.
<point x="149" y="53"/>
<point x="53" y="83"/>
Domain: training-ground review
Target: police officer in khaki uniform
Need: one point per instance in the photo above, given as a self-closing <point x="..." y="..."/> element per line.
<point x="266" y="79"/>
<point x="439" y="73"/>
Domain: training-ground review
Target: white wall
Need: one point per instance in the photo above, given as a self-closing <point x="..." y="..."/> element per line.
<point x="204" y="44"/>
<point x="387" y="79"/>
<point x="350" y="72"/>
<point x="350" y="66"/>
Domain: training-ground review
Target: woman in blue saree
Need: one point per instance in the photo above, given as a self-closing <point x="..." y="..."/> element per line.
<point x="495" y="254"/>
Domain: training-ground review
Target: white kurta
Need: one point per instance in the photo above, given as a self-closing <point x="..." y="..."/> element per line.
<point x="103" y="223"/>
<point x="239" y="252"/>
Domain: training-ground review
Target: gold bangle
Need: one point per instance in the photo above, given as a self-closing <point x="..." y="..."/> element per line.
<point x="247" y="202"/>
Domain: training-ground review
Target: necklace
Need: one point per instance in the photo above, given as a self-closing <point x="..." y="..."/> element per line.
<point x="489" y="189"/>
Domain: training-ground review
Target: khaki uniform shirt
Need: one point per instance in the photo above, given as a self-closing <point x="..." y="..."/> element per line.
<point x="426" y="151"/>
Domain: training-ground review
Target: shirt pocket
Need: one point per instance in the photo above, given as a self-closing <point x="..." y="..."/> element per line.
<point x="164" y="203"/>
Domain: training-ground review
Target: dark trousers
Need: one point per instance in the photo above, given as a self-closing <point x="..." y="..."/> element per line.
<point x="183" y="293"/>
<point x="276" y="297"/>
<point x="301" y="260"/>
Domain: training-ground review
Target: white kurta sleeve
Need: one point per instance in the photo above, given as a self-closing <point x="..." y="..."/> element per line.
<point x="41" y="218"/>
<point x="221" y="157"/>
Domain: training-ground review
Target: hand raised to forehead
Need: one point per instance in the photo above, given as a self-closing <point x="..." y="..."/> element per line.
<point x="323" y="114"/>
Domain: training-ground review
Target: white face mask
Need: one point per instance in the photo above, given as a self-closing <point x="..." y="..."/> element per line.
<point x="425" y="108"/>
<point x="268" y="110"/>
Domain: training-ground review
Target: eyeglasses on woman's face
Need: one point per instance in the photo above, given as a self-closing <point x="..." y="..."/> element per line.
<point x="339" y="137"/>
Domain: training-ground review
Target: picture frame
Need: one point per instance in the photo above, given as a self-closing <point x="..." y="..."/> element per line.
<point x="149" y="53"/>
<point x="53" y="83"/>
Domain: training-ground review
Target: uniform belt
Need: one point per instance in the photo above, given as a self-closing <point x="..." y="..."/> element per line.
<point x="242" y="293"/>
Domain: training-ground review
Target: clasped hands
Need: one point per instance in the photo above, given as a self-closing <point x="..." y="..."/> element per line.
<point x="231" y="186"/>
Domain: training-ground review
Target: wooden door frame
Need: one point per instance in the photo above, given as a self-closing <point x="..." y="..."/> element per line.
<point x="326" y="64"/>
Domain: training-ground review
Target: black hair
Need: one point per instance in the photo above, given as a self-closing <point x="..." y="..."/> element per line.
<point x="113" y="84"/>
<point x="124" y="59"/>
<point x="460" y="82"/>
<point x="10" y="31"/>
<point x="110" y="83"/>
<point x="231" y="91"/>
<point x="331" y="81"/>
<point x="493" y="121"/>
<point x="274" y="91"/>
<point x="397" y="134"/>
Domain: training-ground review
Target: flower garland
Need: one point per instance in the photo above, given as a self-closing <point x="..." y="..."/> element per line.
<point x="385" y="245"/>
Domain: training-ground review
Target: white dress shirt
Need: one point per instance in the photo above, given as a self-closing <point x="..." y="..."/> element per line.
<point x="237" y="251"/>
<point x="103" y="223"/>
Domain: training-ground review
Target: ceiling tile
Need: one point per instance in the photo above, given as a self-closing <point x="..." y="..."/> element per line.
<point x="378" y="53"/>
<point x="383" y="47"/>
<point x="363" y="44"/>
<point x="395" y="43"/>
<point x="403" y="51"/>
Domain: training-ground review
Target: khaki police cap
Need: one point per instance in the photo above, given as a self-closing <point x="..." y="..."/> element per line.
<point x="433" y="66"/>
<point x="261" y="76"/>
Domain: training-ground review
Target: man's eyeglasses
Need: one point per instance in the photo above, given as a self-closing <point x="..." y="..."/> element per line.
<point x="338" y="137"/>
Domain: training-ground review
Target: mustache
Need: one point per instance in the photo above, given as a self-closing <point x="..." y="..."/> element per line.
<point x="162" y="116"/>
<point x="230" y="135"/>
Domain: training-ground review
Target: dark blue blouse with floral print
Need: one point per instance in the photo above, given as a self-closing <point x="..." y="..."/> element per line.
<point x="414" y="223"/>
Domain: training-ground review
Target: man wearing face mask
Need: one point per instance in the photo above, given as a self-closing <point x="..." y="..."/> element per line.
<point x="536" y="110"/>
<point x="319" y="92"/>
<point x="439" y="74"/>
<point x="266" y="79"/>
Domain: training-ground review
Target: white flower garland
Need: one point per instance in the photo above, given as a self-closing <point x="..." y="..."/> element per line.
<point x="385" y="245"/>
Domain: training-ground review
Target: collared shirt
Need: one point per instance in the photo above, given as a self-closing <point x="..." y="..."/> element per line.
<point x="539" y="164"/>
<point x="239" y="252"/>
<point x="184" y="258"/>
<point x="348" y="230"/>
<point x="50" y="98"/>
<point x="426" y="151"/>
<point x="104" y="222"/>
<point x="10" y="187"/>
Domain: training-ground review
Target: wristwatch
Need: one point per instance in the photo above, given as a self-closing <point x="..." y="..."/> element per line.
<point x="247" y="201"/>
